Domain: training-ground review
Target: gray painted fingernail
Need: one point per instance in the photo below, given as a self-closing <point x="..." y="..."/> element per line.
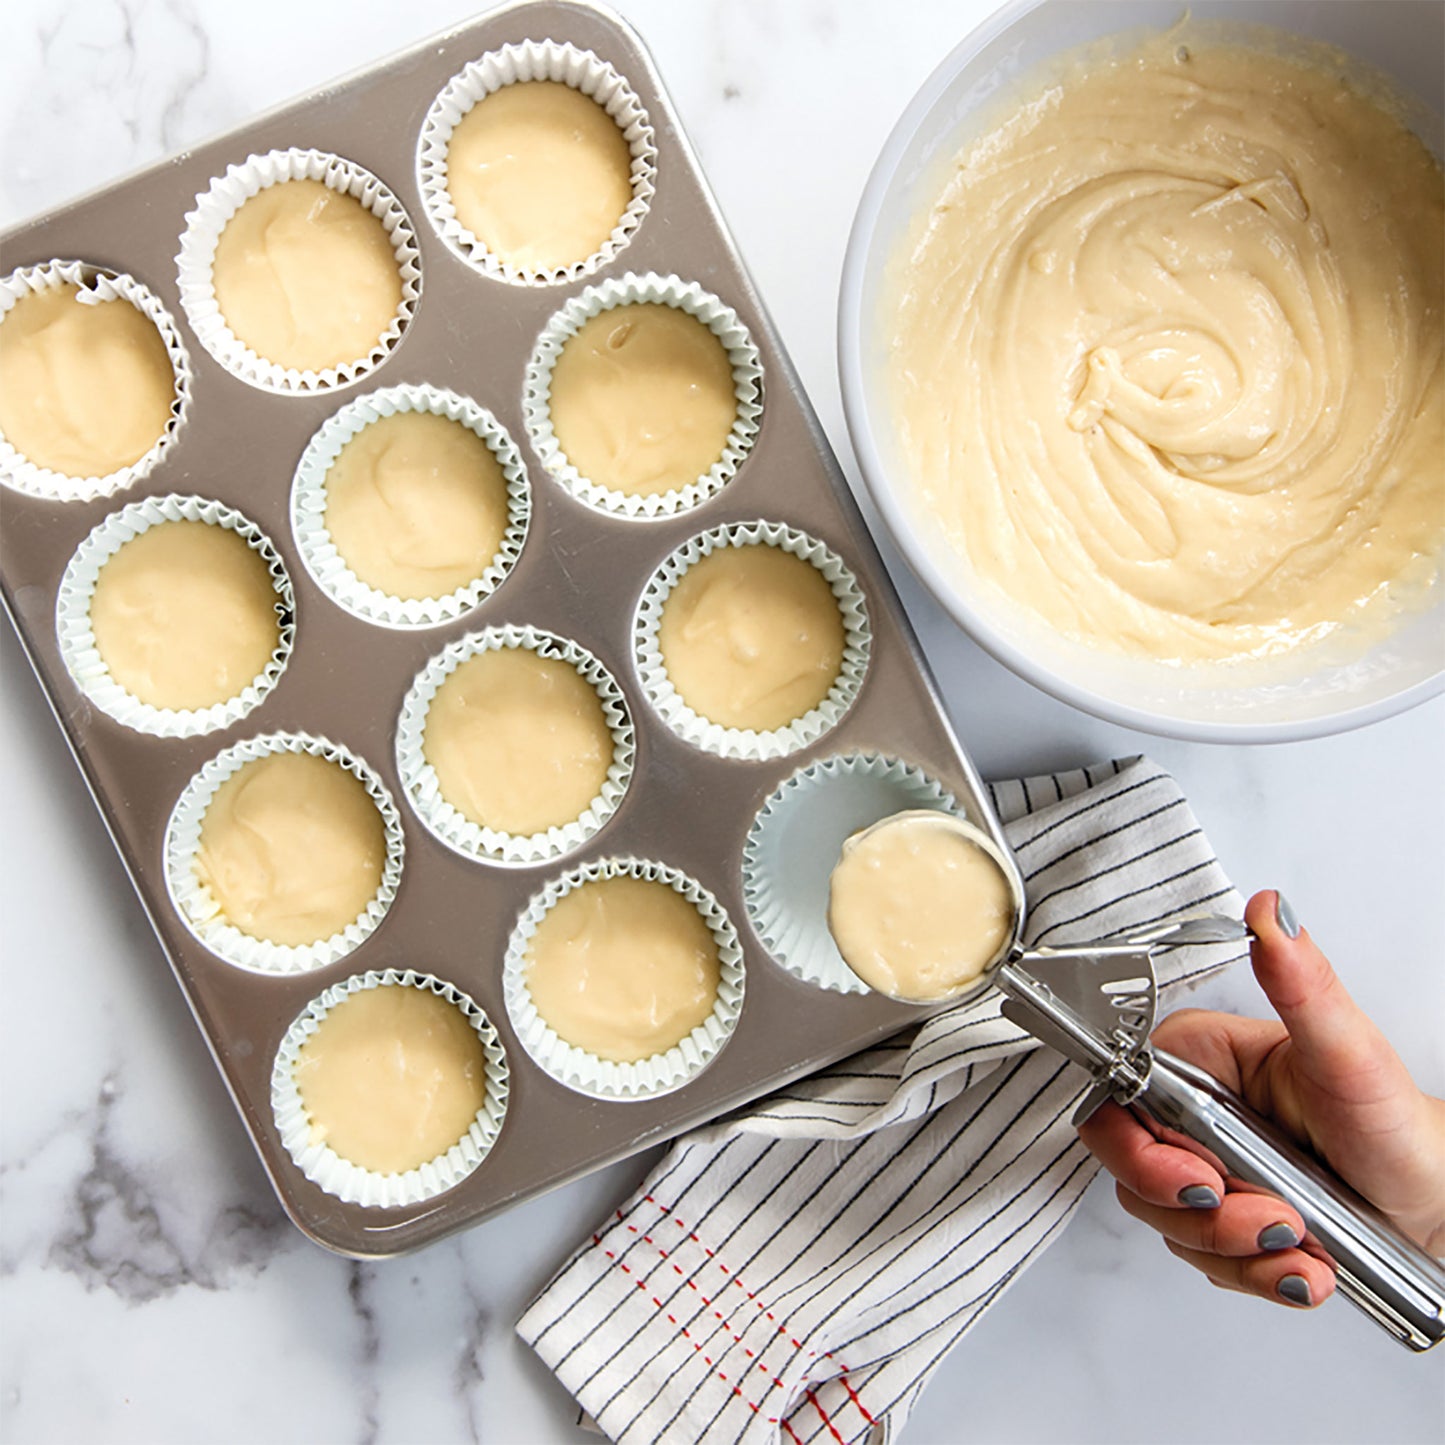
<point x="1286" y="915"/>
<point x="1199" y="1196"/>
<point x="1278" y="1236"/>
<point x="1295" y="1288"/>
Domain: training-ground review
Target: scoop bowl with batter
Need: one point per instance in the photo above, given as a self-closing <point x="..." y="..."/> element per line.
<point x="922" y="906"/>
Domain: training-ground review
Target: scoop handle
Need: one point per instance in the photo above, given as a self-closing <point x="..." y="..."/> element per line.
<point x="1377" y="1268"/>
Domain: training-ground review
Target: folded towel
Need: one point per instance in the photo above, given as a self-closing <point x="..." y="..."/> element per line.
<point x="798" y="1270"/>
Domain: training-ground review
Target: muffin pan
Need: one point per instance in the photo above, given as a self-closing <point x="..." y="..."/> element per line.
<point x="578" y="572"/>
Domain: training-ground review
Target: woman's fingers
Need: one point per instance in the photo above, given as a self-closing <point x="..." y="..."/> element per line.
<point x="1289" y="1277"/>
<point x="1243" y="1225"/>
<point x="1333" y="1041"/>
<point x="1157" y="1173"/>
<point x="1229" y="1048"/>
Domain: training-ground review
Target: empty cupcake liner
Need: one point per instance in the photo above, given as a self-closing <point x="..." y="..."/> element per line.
<point x="626" y="290"/>
<point x="21" y="474"/>
<point x="77" y="639"/>
<point x="748" y="743"/>
<point x="419" y="779"/>
<point x="216" y="206"/>
<point x="533" y="60"/>
<point x="197" y="906"/>
<point x="308" y="508"/>
<point x="603" y="1078"/>
<point x="350" y="1182"/>
<point x="797" y="838"/>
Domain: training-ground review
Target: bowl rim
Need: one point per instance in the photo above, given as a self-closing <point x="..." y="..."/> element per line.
<point x="851" y="371"/>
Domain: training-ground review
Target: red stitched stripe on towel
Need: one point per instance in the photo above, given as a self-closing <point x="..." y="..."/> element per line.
<point x="672" y="1319"/>
<point x="853" y="1396"/>
<point x="707" y="1360"/>
<point x="796" y="1343"/>
<point x="819" y="1408"/>
<point x="782" y="1329"/>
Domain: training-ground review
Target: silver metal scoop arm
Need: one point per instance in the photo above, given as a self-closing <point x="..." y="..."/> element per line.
<point x="1095" y="1003"/>
<point x="1377" y="1268"/>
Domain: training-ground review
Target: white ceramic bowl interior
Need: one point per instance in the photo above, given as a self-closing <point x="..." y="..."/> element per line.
<point x="1262" y="702"/>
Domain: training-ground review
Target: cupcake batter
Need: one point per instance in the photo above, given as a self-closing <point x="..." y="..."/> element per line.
<point x="540" y="174"/>
<point x="623" y="968"/>
<point x="86" y="387"/>
<point x="751" y="637"/>
<point x="392" y="1077"/>
<point x="1165" y="355"/>
<point x="184" y="615"/>
<point x="917" y="909"/>
<point x="292" y="848"/>
<point x="416" y="505"/>
<point x="642" y="399"/>
<point x="306" y="276"/>
<point x="519" y="742"/>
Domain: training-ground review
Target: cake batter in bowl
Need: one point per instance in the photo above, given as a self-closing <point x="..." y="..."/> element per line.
<point x="1153" y="428"/>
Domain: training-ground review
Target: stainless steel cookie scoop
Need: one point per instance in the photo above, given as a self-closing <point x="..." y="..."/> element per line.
<point x="1096" y="1003"/>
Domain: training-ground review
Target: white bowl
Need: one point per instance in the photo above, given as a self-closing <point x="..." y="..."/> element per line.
<point x="1265" y="702"/>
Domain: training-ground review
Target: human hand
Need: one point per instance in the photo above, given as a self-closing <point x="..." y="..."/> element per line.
<point x="1326" y="1075"/>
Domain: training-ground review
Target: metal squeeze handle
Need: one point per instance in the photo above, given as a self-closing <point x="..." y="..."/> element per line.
<point x="1386" y="1275"/>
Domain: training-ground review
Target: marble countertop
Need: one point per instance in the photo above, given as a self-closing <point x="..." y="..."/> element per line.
<point x="150" y="1287"/>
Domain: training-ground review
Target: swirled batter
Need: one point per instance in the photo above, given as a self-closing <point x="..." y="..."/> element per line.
<point x="306" y="276"/>
<point x="1166" y="355"/>
<point x="416" y="505"/>
<point x="392" y="1077"/>
<point x="86" y="386"/>
<point x="539" y="173"/>
<point x="184" y="615"/>
<point x="642" y="399"/>
<point x="623" y="967"/>
<point x="520" y="742"/>
<point x="751" y="637"/>
<point x="292" y="848"/>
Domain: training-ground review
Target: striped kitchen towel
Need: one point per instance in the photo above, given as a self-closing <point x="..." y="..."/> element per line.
<point x="797" y="1270"/>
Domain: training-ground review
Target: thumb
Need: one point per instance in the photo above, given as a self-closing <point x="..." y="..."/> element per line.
<point x="1333" y="1040"/>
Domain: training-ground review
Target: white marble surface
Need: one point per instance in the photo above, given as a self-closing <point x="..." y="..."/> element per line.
<point x="151" y="1290"/>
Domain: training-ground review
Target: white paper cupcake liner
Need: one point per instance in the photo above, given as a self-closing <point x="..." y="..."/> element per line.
<point x="604" y="1078"/>
<point x="419" y="779"/>
<point x="350" y="1182"/>
<point x="308" y="508"/>
<point x="21" y="474"/>
<point x="533" y="60"/>
<point x="748" y="743"/>
<point x="625" y="290"/>
<point x="197" y="906"/>
<point x="216" y="206"/>
<point x="797" y="838"/>
<point x="77" y="639"/>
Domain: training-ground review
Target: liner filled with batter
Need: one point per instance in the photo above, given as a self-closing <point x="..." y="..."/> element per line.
<point x="645" y="1007"/>
<point x="298" y="271"/>
<point x="724" y="689"/>
<point x="646" y="396"/>
<point x="443" y="517"/>
<point x="418" y="1092"/>
<point x="292" y="860"/>
<point x="514" y="745"/>
<point x="92" y="393"/>
<point x="171" y="629"/>
<point x="549" y="184"/>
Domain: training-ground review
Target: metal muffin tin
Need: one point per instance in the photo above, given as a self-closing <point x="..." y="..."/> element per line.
<point x="580" y="574"/>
